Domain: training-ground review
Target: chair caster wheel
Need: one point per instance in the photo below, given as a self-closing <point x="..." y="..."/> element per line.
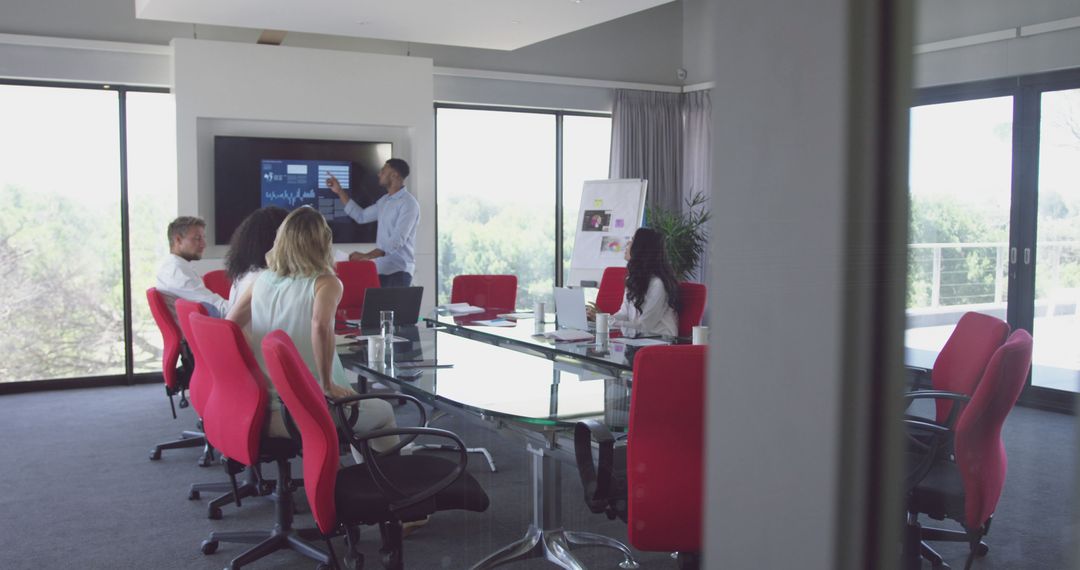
<point x="193" y="495"/>
<point x="214" y="513"/>
<point x="981" y="549"/>
<point x="205" y="461"/>
<point x="209" y="546"/>
<point x="355" y="563"/>
<point x="155" y="454"/>
<point x="266" y="488"/>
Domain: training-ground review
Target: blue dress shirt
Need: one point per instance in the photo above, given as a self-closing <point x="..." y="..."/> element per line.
<point x="398" y="216"/>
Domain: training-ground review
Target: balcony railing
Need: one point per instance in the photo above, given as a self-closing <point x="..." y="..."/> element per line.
<point x="976" y="273"/>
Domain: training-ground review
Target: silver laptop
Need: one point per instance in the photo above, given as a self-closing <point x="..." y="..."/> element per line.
<point x="570" y="309"/>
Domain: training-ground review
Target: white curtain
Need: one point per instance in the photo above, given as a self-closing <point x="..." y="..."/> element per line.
<point x="697" y="157"/>
<point x="646" y="141"/>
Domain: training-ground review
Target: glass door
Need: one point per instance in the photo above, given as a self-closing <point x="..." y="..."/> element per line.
<point x="960" y="190"/>
<point x="1056" y="326"/>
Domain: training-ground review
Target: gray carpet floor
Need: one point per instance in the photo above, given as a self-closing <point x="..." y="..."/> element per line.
<point x="79" y="491"/>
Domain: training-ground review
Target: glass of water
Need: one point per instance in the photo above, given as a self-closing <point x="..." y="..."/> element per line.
<point x="386" y="324"/>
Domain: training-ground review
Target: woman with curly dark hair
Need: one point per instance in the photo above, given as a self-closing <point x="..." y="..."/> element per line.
<point x="246" y="257"/>
<point x="651" y="303"/>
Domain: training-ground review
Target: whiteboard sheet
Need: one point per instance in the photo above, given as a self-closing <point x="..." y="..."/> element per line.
<point x="610" y="212"/>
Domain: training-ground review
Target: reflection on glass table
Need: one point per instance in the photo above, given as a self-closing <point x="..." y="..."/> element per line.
<point x="615" y="357"/>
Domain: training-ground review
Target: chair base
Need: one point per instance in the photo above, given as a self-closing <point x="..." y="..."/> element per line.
<point x="918" y="534"/>
<point x="554" y="546"/>
<point x="253" y="486"/>
<point x="266" y="543"/>
<point x="282" y="537"/>
<point x="187" y="439"/>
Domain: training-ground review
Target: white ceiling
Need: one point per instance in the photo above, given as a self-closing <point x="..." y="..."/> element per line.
<point x="490" y="24"/>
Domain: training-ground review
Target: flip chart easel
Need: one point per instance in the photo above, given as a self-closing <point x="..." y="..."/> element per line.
<point x="611" y="210"/>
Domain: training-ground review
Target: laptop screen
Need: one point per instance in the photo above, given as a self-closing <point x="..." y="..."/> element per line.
<point x="570" y="309"/>
<point x="404" y="301"/>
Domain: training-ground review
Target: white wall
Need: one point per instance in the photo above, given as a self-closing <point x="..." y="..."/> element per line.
<point x="243" y="89"/>
<point x="937" y="21"/>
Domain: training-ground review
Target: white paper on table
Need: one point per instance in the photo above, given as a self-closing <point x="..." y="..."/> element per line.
<point x="639" y="341"/>
<point x="517" y="315"/>
<point x="462" y="309"/>
<point x="568" y="335"/>
<point x="340" y="255"/>
<point x="494" y="323"/>
<point x="394" y="338"/>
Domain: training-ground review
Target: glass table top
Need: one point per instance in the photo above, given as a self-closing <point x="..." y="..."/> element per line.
<point x="435" y="364"/>
<point x="616" y="356"/>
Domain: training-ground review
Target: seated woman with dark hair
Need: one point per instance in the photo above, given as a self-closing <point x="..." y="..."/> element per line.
<point x="651" y="303"/>
<point x="250" y="243"/>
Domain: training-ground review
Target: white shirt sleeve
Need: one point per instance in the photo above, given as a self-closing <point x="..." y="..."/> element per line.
<point x="408" y="215"/>
<point x="183" y="282"/>
<point x="363" y="215"/>
<point x="653" y="309"/>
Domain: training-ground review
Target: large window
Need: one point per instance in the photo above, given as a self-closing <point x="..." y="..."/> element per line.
<point x="995" y="220"/>
<point x="498" y="187"/>
<point x="61" y="234"/>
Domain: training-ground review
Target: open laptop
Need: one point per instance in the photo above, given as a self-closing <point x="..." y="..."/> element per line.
<point x="404" y="301"/>
<point x="570" y="309"/>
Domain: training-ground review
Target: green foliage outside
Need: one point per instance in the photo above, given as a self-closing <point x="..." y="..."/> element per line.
<point x="477" y="237"/>
<point x="63" y="302"/>
<point x="968" y="272"/>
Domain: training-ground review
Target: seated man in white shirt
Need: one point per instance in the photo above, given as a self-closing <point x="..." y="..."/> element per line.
<point x="177" y="277"/>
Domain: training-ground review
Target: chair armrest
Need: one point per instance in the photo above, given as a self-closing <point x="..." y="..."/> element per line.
<point x="960" y="399"/>
<point x="340" y="404"/>
<point x="937" y="395"/>
<point x="596" y="479"/>
<point x="399" y="499"/>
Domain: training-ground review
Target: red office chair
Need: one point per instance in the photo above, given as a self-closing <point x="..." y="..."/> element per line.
<point x="356" y="277"/>
<point x="235" y="416"/>
<point x="609" y="297"/>
<point x="961" y="362"/>
<point x="654" y="483"/>
<point x="491" y="292"/>
<point x="692" y="297"/>
<point x="387" y="488"/>
<point x="218" y="281"/>
<point x="965" y="479"/>
<point x="200" y="386"/>
<point x="176" y="378"/>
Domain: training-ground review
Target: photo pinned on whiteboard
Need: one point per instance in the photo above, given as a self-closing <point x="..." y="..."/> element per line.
<point x="613" y="245"/>
<point x="596" y="221"/>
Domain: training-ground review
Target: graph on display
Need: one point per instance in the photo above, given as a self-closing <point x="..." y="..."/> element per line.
<point x="294" y="183"/>
<point x="290" y="198"/>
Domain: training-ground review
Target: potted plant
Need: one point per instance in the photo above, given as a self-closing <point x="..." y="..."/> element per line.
<point x="685" y="234"/>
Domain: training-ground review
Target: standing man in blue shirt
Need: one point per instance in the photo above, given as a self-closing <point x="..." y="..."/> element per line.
<point x="398" y="214"/>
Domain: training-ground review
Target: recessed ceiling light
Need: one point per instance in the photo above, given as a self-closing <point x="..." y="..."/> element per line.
<point x="515" y="22"/>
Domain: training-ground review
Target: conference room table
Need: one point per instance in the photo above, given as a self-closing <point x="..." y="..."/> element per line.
<point x="524" y="386"/>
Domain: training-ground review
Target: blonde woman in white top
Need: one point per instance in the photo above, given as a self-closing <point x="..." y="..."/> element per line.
<point x="299" y="293"/>
<point x="650" y="305"/>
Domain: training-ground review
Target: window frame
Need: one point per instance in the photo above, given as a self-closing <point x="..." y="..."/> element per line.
<point x="129" y="377"/>
<point x="559" y="115"/>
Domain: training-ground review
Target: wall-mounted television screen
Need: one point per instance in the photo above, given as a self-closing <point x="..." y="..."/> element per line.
<point x="252" y="172"/>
